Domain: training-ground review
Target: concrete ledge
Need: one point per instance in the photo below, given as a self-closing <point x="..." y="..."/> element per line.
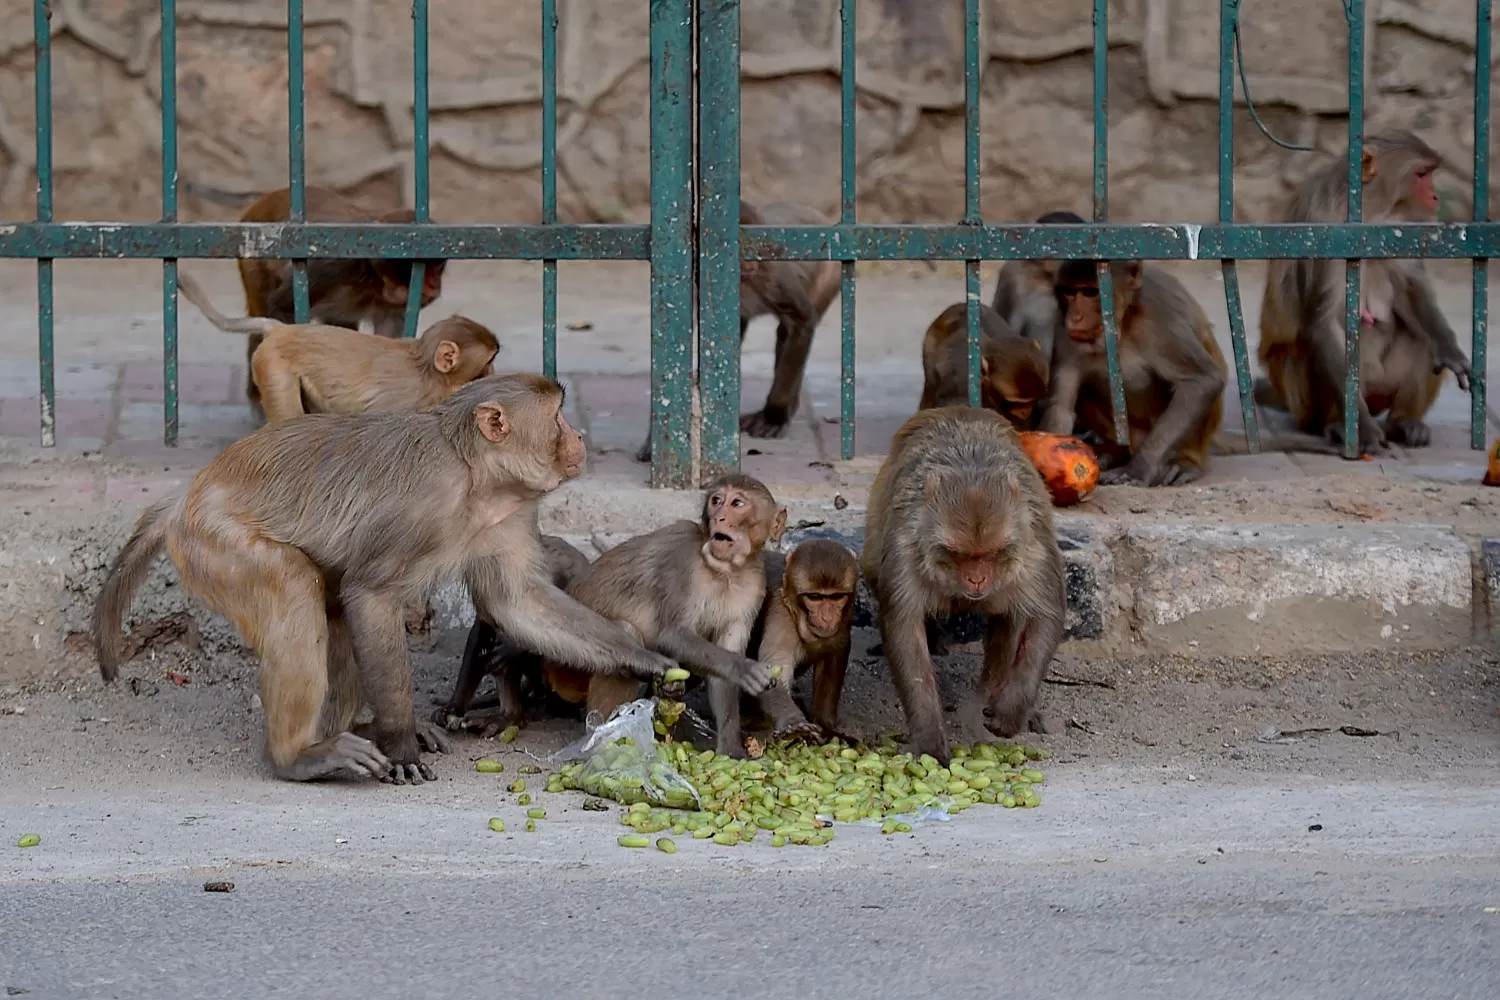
<point x="1189" y="590"/>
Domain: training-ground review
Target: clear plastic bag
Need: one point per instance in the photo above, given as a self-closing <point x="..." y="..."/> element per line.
<point x="618" y="760"/>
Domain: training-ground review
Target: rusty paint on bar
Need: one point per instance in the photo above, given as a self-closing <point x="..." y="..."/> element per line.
<point x="1355" y="11"/>
<point x="1479" y="382"/>
<point x="1101" y="213"/>
<point x="421" y="157"/>
<point x="847" y="175"/>
<point x="169" y="215"/>
<point x="549" y="183"/>
<point x="41" y="15"/>
<point x="1229" y="13"/>
<point x="296" y="132"/>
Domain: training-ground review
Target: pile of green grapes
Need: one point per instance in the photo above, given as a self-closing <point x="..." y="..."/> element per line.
<point x="795" y="792"/>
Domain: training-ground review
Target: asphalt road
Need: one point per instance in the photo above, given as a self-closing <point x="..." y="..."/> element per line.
<point x="1128" y="882"/>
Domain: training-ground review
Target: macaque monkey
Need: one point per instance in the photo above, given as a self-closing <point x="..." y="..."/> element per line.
<point x="1012" y="371"/>
<point x="339" y="292"/>
<point x="1023" y="292"/>
<point x="487" y="652"/>
<point x="959" y="519"/>
<point x="1405" y="342"/>
<point x="1173" y="370"/>
<point x="692" y="591"/>
<point x="797" y="293"/>
<point x="804" y="622"/>
<point x="332" y="369"/>
<point x="310" y="535"/>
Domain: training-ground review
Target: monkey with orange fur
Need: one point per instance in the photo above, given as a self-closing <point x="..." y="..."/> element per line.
<point x="340" y="292"/>
<point x="1012" y="371"/>
<point x="310" y="535"/>
<point x="1405" y="345"/>
<point x="331" y="369"/>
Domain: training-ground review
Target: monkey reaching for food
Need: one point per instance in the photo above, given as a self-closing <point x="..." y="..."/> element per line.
<point x="959" y="519"/>
<point x="805" y="621"/>
<point x="340" y="292"/>
<point x="487" y="652"/>
<point x="1012" y="371"/>
<point x="1405" y="342"/>
<point x="1024" y="297"/>
<point x="311" y="534"/>
<point x="331" y="369"/>
<point x="797" y="293"/>
<point x="691" y="590"/>
<point x="1173" y="370"/>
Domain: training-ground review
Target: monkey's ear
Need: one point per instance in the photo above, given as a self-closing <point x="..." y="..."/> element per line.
<point x="1367" y="168"/>
<point x="1133" y="269"/>
<point x="1035" y="343"/>
<point x="984" y="366"/>
<point x="492" y="422"/>
<point x="778" y="524"/>
<point x="445" y="358"/>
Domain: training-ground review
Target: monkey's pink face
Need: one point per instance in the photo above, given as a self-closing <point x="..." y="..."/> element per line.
<point x="974" y="573"/>
<point x="826" y="613"/>
<point x="730" y="515"/>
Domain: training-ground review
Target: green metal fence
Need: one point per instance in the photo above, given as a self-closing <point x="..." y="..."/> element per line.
<point x="694" y="240"/>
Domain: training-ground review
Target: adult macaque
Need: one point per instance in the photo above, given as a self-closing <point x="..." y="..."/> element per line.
<point x="310" y="535"/>
<point x="487" y="652"/>
<point x="692" y="590"/>
<point x="1173" y="370"/>
<point x="1405" y="343"/>
<point x="331" y="369"/>
<point x="1012" y="371"/>
<point x="960" y="519"/>
<point x="1023" y="293"/>
<point x="797" y="293"/>
<point x="340" y="292"/>
<point x="805" y="622"/>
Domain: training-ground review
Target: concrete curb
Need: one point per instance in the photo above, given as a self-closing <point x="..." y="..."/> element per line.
<point x="1189" y="590"/>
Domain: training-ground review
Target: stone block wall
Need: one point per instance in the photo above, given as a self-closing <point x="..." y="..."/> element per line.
<point x="486" y="100"/>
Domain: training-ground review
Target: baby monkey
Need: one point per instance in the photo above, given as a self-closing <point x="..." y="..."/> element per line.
<point x="805" y="622"/>
<point x="312" y="368"/>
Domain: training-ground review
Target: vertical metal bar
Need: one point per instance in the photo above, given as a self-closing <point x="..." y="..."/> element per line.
<point x="972" y="74"/>
<point x="671" y="240"/>
<point x="421" y="115"/>
<point x="296" y="152"/>
<point x="1229" y="15"/>
<point x="847" y="169"/>
<point x="169" y="214"/>
<point x="41" y="14"/>
<point x="1480" y="348"/>
<point x="718" y="34"/>
<point x="1355" y="10"/>
<point x="1101" y="214"/>
<point x="549" y="182"/>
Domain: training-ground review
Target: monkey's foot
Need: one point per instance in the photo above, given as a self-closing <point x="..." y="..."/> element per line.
<point x="797" y="729"/>
<point x="408" y="774"/>
<point x="345" y="752"/>
<point x="1372" y="440"/>
<point x="1167" y="474"/>
<point x="1412" y="433"/>
<point x="433" y="738"/>
<point x="731" y="748"/>
<point x="765" y="423"/>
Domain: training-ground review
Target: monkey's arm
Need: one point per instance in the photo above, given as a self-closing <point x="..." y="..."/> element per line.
<point x="903" y="632"/>
<point x="1326" y="363"/>
<point x="1416" y="308"/>
<point x="514" y="592"/>
<point x="702" y="657"/>
<point x="1196" y="381"/>
<point x="1061" y="412"/>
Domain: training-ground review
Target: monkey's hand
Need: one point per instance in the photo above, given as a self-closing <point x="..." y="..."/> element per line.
<point x="1458" y="365"/>
<point x="647" y="664"/>
<point x="1140" y="472"/>
<point x="1371" y="438"/>
<point x="432" y="738"/>
<point x="752" y="676"/>
<point x="765" y="423"/>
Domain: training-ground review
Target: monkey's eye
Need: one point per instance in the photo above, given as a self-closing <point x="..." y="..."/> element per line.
<point x="737" y="502"/>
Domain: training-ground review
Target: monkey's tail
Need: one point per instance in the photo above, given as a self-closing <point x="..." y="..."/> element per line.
<point x="125" y="578"/>
<point x="195" y="293"/>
